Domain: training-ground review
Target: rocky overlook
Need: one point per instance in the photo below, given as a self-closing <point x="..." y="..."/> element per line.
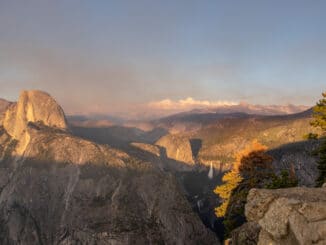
<point x="56" y="188"/>
<point x="284" y="216"/>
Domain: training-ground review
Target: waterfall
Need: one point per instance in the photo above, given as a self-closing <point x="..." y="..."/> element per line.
<point x="199" y="204"/>
<point x="211" y="172"/>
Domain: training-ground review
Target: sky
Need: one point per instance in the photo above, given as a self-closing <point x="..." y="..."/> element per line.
<point x="105" y="56"/>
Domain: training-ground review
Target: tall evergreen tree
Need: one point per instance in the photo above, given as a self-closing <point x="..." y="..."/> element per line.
<point x="321" y="164"/>
<point x="319" y="115"/>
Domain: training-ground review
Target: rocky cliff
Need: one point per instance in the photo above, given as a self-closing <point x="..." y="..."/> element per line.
<point x="3" y="107"/>
<point x="177" y="148"/>
<point x="56" y="188"/>
<point x="32" y="106"/>
<point x="284" y="216"/>
<point x="298" y="158"/>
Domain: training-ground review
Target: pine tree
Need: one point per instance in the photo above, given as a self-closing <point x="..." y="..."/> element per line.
<point x="321" y="164"/>
<point x="319" y="115"/>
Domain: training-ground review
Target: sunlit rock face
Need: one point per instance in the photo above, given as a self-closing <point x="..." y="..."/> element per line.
<point x="286" y="216"/>
<point x="32" y="106"/>
<point x="153" y="149"/>
<point x="177" y="148"/>
<point x="3" y="107"/>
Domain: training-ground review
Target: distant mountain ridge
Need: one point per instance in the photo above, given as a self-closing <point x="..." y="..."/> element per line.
<point x="240" y="110"/>
<point x="253" y="109"/>
<point x="195" y="116"/>
<point x="157" y="114"/>
<point x="3" y="105"/>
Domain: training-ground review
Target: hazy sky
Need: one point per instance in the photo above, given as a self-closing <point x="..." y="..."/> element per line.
<point x="107" y="56"/>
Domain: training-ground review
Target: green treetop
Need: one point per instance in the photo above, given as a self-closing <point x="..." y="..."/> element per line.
<point x="319" y="114"/>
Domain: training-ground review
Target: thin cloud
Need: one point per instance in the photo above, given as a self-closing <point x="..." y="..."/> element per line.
<point x="188" y="103"/>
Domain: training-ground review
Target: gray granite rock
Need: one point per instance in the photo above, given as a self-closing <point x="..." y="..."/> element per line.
<point x="288" y="216"/>
<point x="61" y="189"/>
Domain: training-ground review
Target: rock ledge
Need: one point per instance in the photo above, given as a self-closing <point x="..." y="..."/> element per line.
<point x="287" y="216"/>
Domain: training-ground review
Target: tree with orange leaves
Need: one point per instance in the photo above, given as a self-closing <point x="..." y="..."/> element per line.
<point x="248" y="161"/>
<point x="252" y="169"/>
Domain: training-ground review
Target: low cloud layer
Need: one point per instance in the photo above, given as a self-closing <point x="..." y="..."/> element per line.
<point x="187" y="104"/>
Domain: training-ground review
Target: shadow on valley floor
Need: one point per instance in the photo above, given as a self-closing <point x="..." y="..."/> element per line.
<point x="119" y="136"/>
<point x="193" y="179"/>
<point x="196" y="145"/>
<point x="195" y="183"/>
<point x="295" y="147"/>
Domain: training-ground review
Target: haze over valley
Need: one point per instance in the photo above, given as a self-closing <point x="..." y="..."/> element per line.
<point x="162" y="122"/>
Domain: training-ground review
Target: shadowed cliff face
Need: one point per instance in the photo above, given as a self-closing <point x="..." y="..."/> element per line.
<point x="299" y="158"/>
<point x="66" y="190"/>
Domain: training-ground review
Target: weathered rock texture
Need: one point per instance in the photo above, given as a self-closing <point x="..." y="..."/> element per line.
<point x="32" y="106"/>
<point x="153" y="149"/>
<point x="3" y="107"/>
<point x="298" y="158"/>
<point x="66" y="190"/>
<point x="247" y="234"/>
<point x="288" y="216"/>
<point x="177" y="148"/>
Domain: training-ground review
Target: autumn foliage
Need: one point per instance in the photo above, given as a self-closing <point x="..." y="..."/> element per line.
<point x="249" y="162"/>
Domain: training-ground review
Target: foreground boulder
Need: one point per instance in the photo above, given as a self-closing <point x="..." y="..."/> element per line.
<point x="66" y="190"/>
<point x="287" y="216"/>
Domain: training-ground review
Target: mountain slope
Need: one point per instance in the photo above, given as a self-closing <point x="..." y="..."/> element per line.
<point x="192" y="141"/>
<point x="61" y="189"/>
<point x="298" y="158"/>
<point x="197" y="118"/>
<point x="3" y="107"/>
<point x="220" y="138"/>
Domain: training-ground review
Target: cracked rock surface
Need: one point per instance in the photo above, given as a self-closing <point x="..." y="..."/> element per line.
<point x="288" y="216"/>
